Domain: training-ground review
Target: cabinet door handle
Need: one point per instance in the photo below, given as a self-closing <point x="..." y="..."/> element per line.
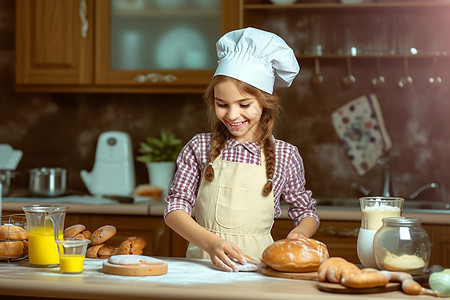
<point x="84" y="21"/>
<point x="155" y="77"/>
<point x="340" y="232"/>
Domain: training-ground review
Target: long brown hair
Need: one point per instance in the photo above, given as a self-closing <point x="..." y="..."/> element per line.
<point x="271" y="108"/>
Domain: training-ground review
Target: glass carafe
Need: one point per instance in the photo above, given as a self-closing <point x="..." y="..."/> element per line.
<point x="373" y="210"/>
<point x="45" y="226"/>
<point x="402" y="245"/>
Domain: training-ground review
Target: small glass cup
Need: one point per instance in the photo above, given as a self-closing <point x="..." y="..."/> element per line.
<point x="71" y="255"/>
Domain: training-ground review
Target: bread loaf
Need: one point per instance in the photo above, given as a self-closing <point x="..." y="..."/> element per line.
<point x="103" y="234"/>
<point x="146" y="190"/>
<point x="84" y="235"/>
<point x="295" y="255"/>
<point x="92" y="251"/>
<point x="71" y="231"/>
<point x="132" y="245"/>
<point x="107" y="251"/>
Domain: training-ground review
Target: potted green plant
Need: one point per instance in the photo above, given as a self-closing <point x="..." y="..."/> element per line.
<point x="159" y="154"/>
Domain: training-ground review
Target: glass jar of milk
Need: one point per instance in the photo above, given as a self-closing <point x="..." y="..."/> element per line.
<point x="373" y="210"/>
<point x="402" y="245"/>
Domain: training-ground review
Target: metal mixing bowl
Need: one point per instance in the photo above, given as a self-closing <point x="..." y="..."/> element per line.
<point x="7" y="178"/>
<point x="48" y="182"/>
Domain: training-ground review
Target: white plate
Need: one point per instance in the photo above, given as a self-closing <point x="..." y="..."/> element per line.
<point x="182" y="48"/>
<point x="168" y="4"/>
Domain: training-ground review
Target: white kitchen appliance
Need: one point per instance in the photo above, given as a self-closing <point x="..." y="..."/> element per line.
<point x="9" y="158"/>
<point x="113" y="171"/>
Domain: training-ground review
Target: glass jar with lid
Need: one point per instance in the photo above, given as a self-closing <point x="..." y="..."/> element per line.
<point x="403" y="245"/>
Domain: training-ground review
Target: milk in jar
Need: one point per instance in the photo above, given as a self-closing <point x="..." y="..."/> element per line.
<point x="373" y="216"/>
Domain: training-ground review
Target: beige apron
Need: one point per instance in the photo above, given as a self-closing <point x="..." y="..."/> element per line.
<point x="234" y="208"/>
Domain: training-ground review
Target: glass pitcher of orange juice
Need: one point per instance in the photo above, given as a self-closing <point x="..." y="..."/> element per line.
<point x="45" y="226"/>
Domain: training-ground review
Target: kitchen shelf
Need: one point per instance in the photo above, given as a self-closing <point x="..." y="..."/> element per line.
<point x="171" y="13"/>
<point x="423" y="56"/>
<point x="333" y="6"/>
<point x="387" y="30"/>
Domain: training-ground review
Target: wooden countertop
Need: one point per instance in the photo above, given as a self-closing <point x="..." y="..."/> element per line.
<point x="186" y="279"/>
<point x="96" y="205"/>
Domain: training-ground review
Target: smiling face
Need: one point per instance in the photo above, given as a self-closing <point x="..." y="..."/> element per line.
<point x="238" y="111"/>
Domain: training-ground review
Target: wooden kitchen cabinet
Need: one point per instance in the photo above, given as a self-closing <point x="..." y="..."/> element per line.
<point x="440" y="240"/>
<point x="166" y="67"/>
<point x="54" y="42"/>
<point x="68" y="46"/>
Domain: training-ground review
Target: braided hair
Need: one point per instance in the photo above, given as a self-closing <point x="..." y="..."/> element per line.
<point x="220" y="133"/>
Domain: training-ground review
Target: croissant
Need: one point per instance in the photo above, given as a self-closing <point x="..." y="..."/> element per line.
<point x="338" y="270"/>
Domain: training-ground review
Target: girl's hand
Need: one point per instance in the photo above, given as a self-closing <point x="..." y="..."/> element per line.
<point x="222" y="252"/>
<point x="306" y="228"/>
<point x="296" y="235"/>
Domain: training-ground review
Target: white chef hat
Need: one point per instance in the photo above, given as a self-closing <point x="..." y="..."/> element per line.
<point x="259" y="58"/>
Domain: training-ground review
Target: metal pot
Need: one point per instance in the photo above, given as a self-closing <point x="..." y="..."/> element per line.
<point x="7" y="178"/>
<point x="48" y="182"/>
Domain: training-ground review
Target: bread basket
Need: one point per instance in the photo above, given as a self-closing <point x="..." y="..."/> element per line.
<point x="13" y="238"/>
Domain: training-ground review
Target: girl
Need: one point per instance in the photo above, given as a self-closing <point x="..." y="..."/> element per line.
<point x="234" y="177"/>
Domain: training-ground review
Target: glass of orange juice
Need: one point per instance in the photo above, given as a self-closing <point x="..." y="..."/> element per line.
<point x="71" y="255"/>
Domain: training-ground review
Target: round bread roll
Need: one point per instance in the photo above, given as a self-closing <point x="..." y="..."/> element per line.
<point x="11" y="249"/>
<point x="80" y="236"/>
<point x="87" y="234"/>
<point x="146" y="190"/>
<point x="134" y="265"/>
<point x="295" y="255"/>
<point x="107" y="251"/>
<point x="132" y="245"/>
<point x="84" y="235"/>
<point x="103" y="234"/>
<point x="71" y="231"/>
<point x="92" y="251"/>
<point x="10" y="232"/>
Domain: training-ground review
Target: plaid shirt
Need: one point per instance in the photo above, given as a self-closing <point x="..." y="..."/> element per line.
<point x="288" y="182"/>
